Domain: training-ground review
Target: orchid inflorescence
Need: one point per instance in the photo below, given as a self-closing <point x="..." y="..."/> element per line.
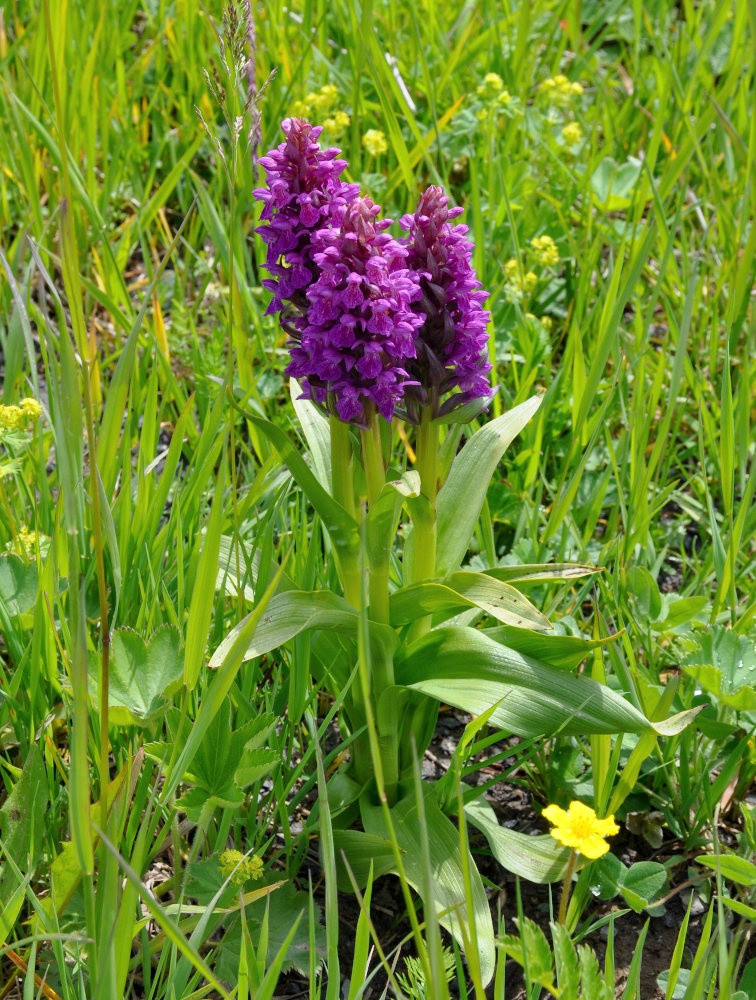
<point x="376" y="323"/>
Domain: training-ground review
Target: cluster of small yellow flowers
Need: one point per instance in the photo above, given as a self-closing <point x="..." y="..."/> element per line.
<point x="374" y="142"/>
<point x="495" y="95"/>
<point x="25" y="542"/>
<point x="518" y="282"/>
<point x="545" y="250"/>
<point x="337" y="124"/>
<point x="572" y="134"/>
<point x="248" y="868"/>
<point x="492" y="86"/>
<point x="316" y="103"/>
<point x="15" y="418"/>
<point x="559" y="89"/>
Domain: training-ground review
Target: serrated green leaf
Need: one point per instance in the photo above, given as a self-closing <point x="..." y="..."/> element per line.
<point x="254" y="765"/>
<point x="566" y="961"/>
<point x="531" y="943"/>
<point x="143" y="674"/>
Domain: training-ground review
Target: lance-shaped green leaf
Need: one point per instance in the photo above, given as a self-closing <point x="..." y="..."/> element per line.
<point x="384" y="514"/>
<point x="446" y="864"/>
<point x="461" y="591"/>
<point x="563" y="651"/>
<point x="525" y="572"/>
<point x="317" y="432"/>
<point x="539" y="859"/>
<point x="295" y="611"/>
<point x="460" y="499"/>
<point x="464" y="668"/>
<point x="341" y="526"/>
<point x="288" y="614"/>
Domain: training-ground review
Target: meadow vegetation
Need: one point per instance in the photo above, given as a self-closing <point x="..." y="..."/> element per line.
<point x="221" y="669"/>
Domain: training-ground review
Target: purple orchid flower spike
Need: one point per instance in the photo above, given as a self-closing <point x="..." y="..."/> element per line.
<point x="360" y="327"/>
<point x="303" y="193"/>
<point x="452" y="342"/>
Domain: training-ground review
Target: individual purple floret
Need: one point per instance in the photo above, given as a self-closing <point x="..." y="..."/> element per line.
<point x="303" y="193"/>
<point x="452" y="342"/>
<point x="360" y="326"/>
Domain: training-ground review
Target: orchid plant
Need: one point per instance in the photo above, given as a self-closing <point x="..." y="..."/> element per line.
<point x="389" y="360"/>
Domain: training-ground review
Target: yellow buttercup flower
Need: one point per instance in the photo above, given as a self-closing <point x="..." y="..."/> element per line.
<point x="580" y="828"/>
<point x="374" y="142"/>
<point x="251" y="867"/>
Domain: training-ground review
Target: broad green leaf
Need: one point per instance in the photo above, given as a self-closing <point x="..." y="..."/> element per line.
<point x="612" y="183"/>
<point x="288" y="934"/>
<point x="606" y="876"/>
<point x="218" y="756"/>
<point x="464" y="668"/>
<point x="642" y="883"/>
<point x="725" y="666"/>
<point x="360" y="850"/>
<point x="446" y="869"/>
<point x="684" y="610"/>
<point x="736" y="869"/>
<point x="255" y="763"/>
<point x="18" y="584"/>
<point x="143" y="674"/>
<point x="341" y="526"/>
<point x="461" y="498"/>
<point x="383" y="517"/>
<point x="461" y="591"/>
<point x="539" y="859"/>
<point x="563" y="651"/>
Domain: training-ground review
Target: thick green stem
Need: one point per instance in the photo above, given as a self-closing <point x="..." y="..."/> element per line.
<point x="375" y="478"/>
<point x="424" y="559"/>
<point x="342" y="487"/>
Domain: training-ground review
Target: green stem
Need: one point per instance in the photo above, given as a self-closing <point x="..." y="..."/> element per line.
<point x="372" y="460"/>
<point x="424" y="561"/>
<point x="375" y="477"/>
<point x="342" y="488"/>
<point x="566" y="887"/>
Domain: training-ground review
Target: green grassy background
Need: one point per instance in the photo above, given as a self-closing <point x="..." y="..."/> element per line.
<point x="130" y="297"/>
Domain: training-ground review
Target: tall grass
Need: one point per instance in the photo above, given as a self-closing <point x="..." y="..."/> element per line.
<point x="131" y="307"/>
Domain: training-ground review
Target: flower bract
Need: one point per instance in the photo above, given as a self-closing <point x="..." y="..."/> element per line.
<point x="579" y="828"/>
